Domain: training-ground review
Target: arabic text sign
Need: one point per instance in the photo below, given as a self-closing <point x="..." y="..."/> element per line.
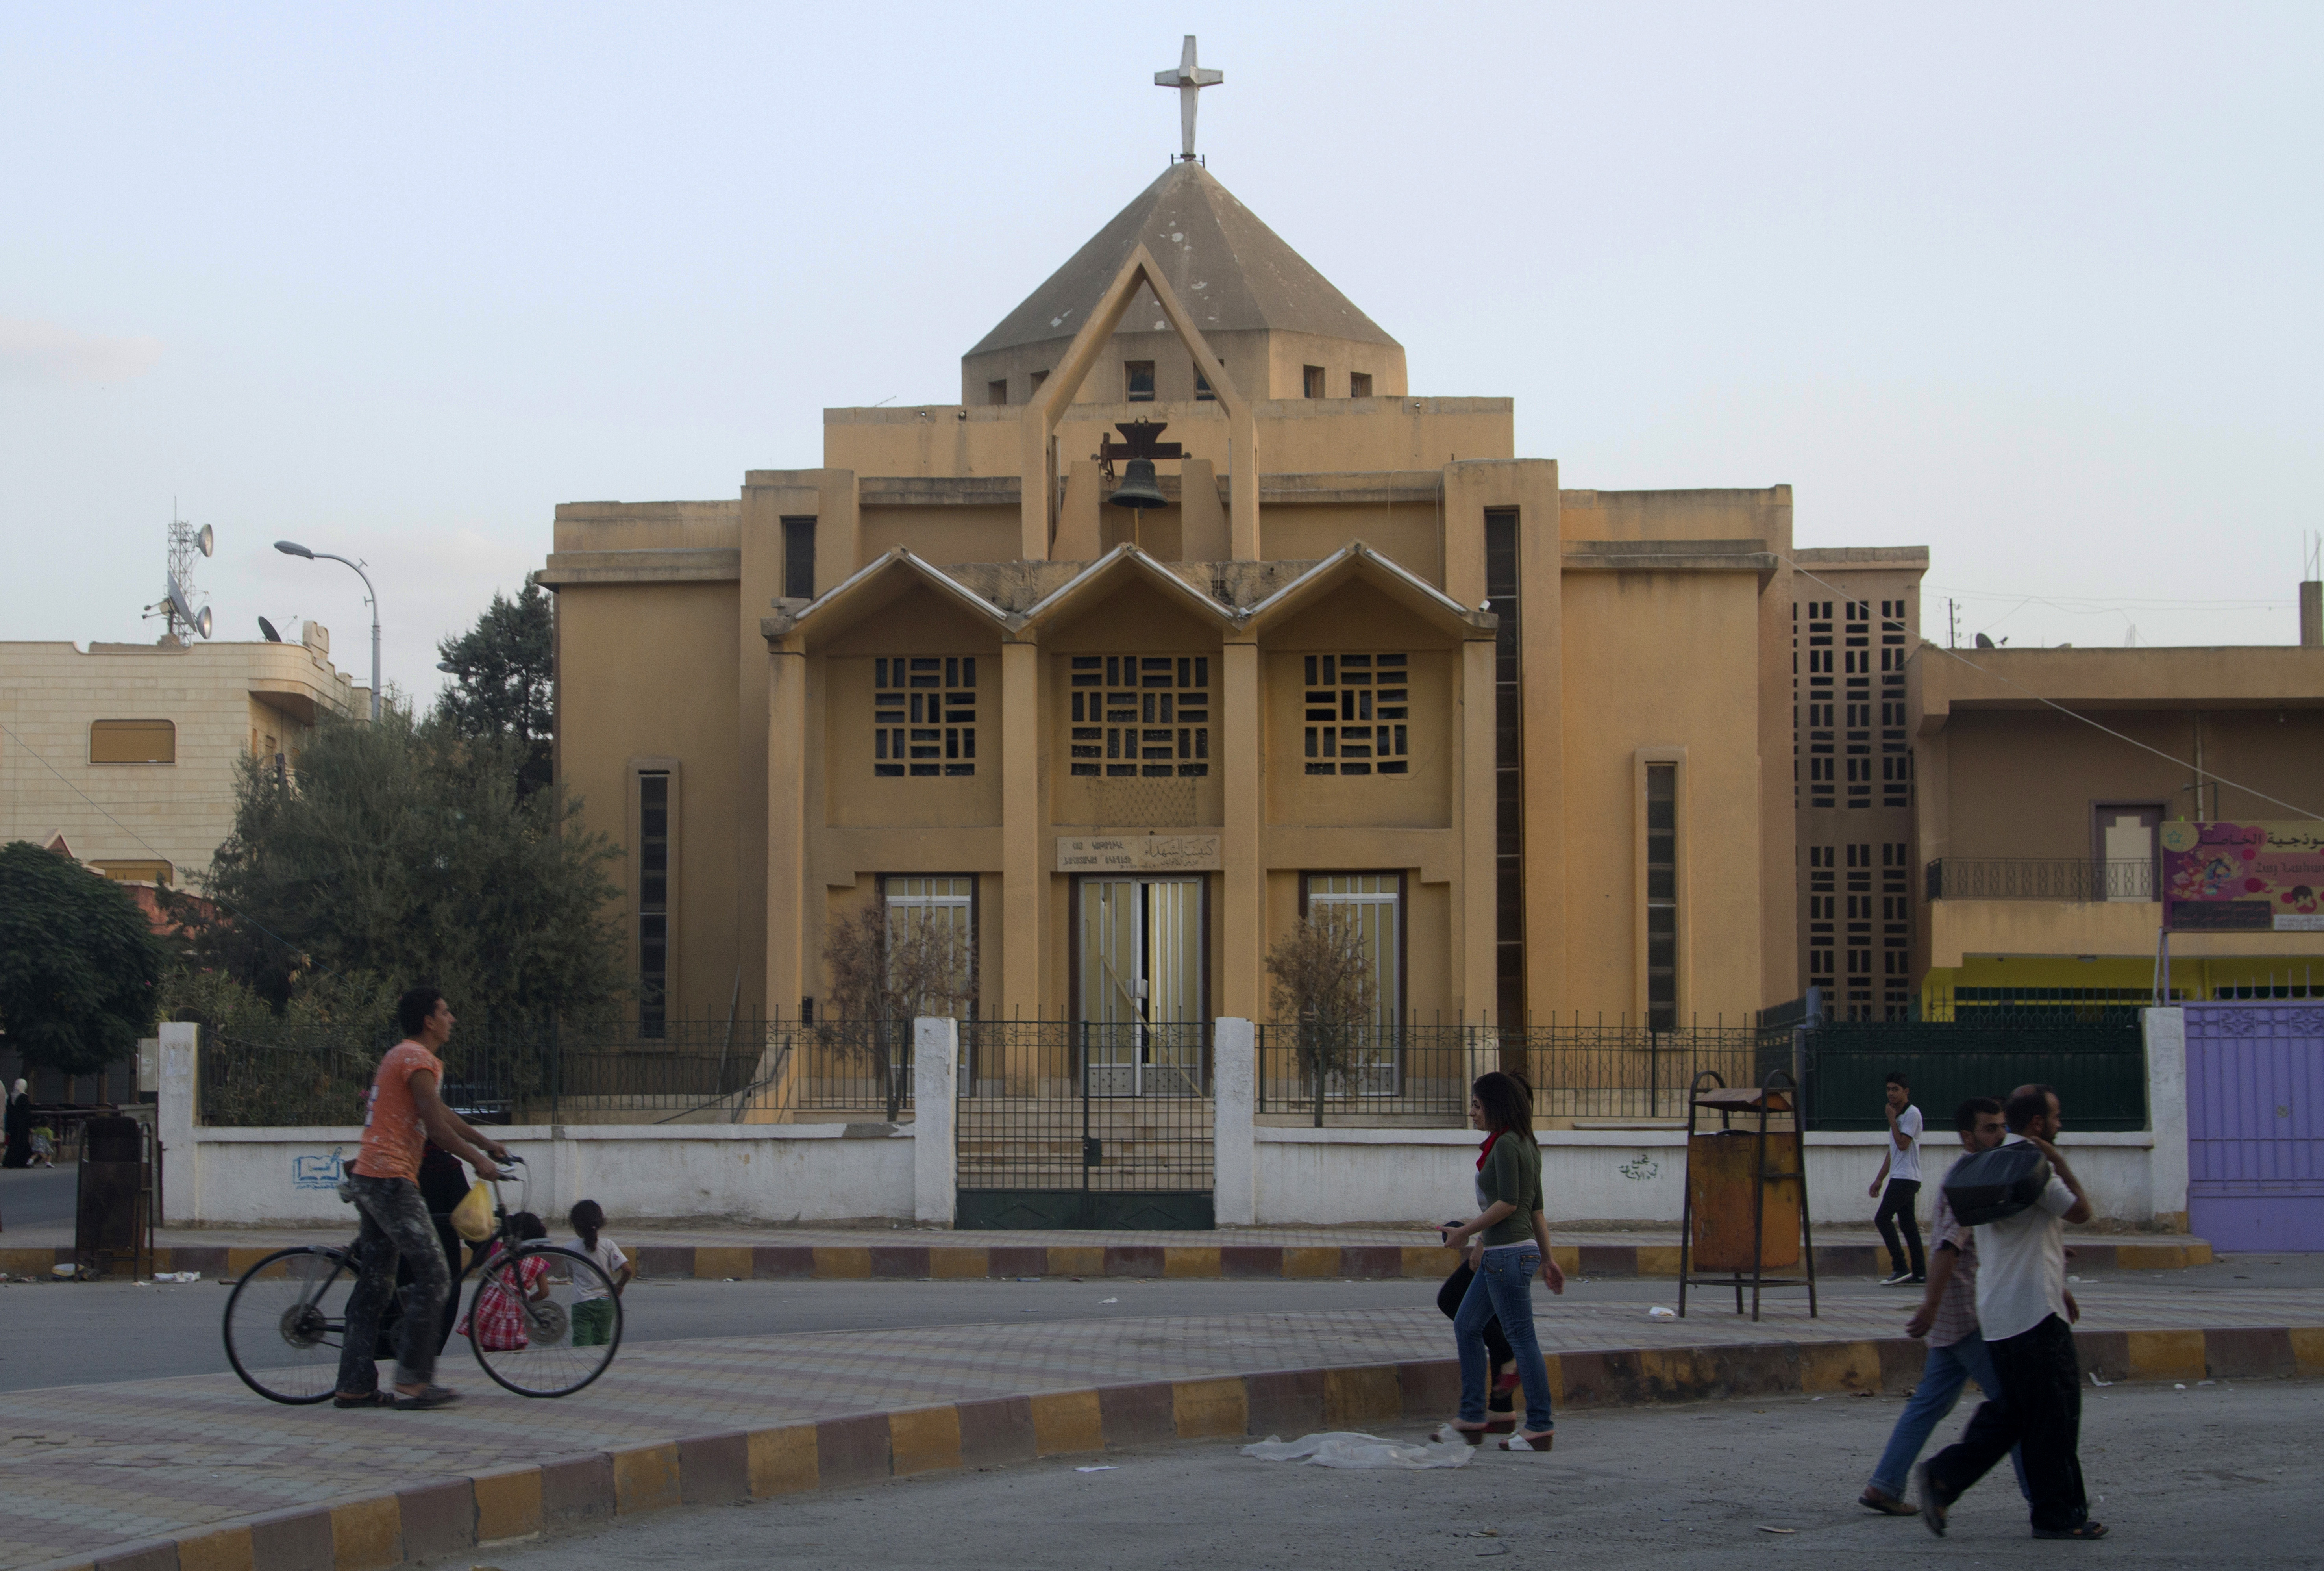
<point x="2244" y="877"/>
<point x="1138" y="853"/>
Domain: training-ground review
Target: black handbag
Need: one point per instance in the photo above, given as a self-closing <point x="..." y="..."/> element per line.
<point x="1994" y="1184"/>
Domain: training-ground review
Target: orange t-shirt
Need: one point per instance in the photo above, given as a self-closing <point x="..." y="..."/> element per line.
<point x="393" y="1136"/>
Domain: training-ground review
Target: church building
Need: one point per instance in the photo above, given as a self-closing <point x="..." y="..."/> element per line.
<point x="1190" y="616"/>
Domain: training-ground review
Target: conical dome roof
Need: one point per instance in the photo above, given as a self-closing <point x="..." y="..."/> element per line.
<point x="1234" y="273"/>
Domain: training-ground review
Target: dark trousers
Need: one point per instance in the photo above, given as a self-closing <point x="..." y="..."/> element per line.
<point x="1897" y="1202"/>
<point x="1497" y="1346"/>
<point x="2041" y="1411"/>
<point x="396" y="1228"/>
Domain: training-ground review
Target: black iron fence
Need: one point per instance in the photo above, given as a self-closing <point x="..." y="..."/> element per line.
<point x="2098" y="1069"/>
<point x="2039" y="878"/>
<point x="1081" y="1123"/>
<point x="1578" y="1069"/>
<point x="705" y="1070"/>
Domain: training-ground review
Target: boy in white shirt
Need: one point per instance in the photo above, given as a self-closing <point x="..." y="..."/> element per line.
<point x="1900" y="1172"/>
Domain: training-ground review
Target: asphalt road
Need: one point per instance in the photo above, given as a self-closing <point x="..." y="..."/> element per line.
<point x="2211" y="1475"/>
<point x="35" y="1197"/>
<point x="75" y="1333"/>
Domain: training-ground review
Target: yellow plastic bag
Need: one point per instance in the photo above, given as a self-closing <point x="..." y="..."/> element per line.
<point x="472" y="1218"/>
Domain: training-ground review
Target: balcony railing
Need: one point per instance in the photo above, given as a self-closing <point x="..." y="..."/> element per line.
<point x="2068" y="878"/>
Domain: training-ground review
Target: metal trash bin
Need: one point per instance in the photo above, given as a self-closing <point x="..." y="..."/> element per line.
<point x="1745" y="1211"/>
<point x="110" y="1202"/>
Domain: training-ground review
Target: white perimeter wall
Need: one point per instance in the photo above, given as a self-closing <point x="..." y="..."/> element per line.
<point x="1429" y="1176"/>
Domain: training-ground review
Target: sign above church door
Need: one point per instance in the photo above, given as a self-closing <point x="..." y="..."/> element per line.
<point x="1139" y="854"/>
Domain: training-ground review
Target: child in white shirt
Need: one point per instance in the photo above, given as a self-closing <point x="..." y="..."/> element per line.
<point x="592" y="1312"/>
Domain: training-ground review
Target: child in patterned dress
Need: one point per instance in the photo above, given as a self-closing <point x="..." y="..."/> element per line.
<point x="498" y="1318"/>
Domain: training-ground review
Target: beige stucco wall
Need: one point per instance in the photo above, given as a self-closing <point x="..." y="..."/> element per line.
<point x="225" y="700"/>
<point x="653" y="666"/>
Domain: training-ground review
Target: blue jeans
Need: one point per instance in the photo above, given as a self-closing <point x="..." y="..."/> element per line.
<point x="1503" y="1290"/>
<point x="1939" y="1388"/>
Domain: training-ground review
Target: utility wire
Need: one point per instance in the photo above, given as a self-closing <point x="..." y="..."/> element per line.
<point x="1886" y="623"/>
<point x="149" y="845"/>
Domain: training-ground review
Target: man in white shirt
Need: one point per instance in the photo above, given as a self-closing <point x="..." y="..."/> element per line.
<point x="1900" y="1172"/>
<point x="2023" y="1311"/>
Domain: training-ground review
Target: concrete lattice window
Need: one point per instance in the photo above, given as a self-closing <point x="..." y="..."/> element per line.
<point x="133" y="742"/>
<point x="1823" y="733"/>
<point x="1357" y="710"/>
<point x="1141" y="716"/>
<point x="924" y="715"/>
<point x="1823" y="903"/>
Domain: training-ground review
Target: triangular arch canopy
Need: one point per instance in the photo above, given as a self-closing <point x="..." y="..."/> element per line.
<point x="1039" y="453"/>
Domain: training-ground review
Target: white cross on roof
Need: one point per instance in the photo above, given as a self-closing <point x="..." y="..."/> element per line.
<point x="1190" y="79"/>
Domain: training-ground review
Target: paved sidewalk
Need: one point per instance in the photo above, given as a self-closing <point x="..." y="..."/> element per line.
<point x="775" y="1254"/>
<point x="89" y="1469"/>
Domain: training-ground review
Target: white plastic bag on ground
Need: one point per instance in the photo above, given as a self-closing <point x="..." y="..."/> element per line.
<point x="1349" y="1448"/>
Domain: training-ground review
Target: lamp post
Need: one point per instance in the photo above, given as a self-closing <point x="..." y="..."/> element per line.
<point x="293" y="549"/>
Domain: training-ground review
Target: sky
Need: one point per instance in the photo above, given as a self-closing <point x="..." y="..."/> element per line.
<point x="2033" y="286"/>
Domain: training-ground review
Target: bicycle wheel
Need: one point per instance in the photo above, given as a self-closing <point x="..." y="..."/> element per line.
<point x="540" y="1347"/>
<point x="285" y="1322"/>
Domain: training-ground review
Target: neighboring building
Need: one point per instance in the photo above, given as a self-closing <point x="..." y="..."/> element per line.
<point x="129" y="750"/>
<point x="1357" y="652"/>
<point x="2042" y="836"/>
<point x="1856" y="620"/>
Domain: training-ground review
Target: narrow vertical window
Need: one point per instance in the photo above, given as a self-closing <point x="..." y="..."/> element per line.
<point x="1203" y="392"/>
<point x="1138" y="381"/>
<point x="1662" y="897"/>
<point x="1502" y="589"/>
<point x="1360" y="385"/>
<point x="798" y="559"/>
<point x="1313" y="376"/>
<point x="653" y="902"/>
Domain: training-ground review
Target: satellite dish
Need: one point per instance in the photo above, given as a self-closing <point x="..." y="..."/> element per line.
<point x="206" y="542"/>
<point x="184" y="612"/>
<point x="267" y="628"/>
<point x="1983" y="642"/>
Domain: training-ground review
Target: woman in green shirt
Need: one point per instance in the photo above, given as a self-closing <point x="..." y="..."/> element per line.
<point x="1511" y="1235"/>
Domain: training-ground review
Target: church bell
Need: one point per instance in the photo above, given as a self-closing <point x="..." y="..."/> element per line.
<point x="1139" y="489"/>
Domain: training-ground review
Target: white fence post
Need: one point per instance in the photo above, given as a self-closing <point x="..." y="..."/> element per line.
<point x="935" y="1167"/>
<point x="2165" y="1031"/>
<point x="174" y="1119"/>
<point x="1234" y="1085"/>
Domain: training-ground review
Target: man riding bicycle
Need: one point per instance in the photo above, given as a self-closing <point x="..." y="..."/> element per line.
<point x="405" y="1112"/>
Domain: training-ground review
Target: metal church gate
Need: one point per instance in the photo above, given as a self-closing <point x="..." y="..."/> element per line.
<point x="1085" y="1124"/>
<point x="2255" y="1125"/>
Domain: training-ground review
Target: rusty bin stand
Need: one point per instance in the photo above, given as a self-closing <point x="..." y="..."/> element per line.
<point x="1779" y="1094"/>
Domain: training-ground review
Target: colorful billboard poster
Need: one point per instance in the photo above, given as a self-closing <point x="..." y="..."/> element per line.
<point x="2244" y="877"/>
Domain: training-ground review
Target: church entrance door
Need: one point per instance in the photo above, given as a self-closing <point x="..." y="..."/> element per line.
<point x="1141" y="985"/>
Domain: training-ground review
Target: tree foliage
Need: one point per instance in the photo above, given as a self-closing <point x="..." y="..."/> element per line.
<point x="505" y="682"/>
<point x="79" y="963"/>
<point x="1321" y="982"/>
<point x="405" y="850"/>
<point x="883" y="973"/>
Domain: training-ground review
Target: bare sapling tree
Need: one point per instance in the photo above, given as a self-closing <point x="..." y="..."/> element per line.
<point x="1322" y="984"/>
<point x="885" y="969"/>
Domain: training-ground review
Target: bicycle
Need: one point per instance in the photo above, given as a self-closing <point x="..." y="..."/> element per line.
<point x="286" y="1321"/>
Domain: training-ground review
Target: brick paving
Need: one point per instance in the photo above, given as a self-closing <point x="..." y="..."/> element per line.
<point x="88" y="1467"/>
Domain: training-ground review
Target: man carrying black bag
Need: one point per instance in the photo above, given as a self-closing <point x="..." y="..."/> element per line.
<point x="2021" y="1306"/>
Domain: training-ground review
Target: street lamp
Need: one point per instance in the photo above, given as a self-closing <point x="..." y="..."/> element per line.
<point x="291" y="548"/>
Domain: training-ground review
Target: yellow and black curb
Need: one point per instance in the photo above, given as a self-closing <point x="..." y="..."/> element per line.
<point x="914" y="1261"/>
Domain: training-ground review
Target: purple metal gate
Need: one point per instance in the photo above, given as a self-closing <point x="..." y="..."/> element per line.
<point x="2255" y="1125"/>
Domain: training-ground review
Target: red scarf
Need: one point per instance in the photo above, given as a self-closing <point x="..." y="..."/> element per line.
<point x="1488" y="1149"/>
